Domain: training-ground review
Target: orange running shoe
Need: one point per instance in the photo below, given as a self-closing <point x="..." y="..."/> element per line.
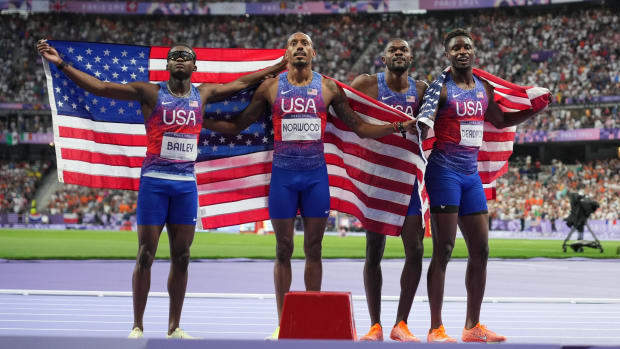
<point x="374" y="335"/>
<point x="479" y="333"/>
<point x="401" y="333"/>
<point x="438" y="335"/>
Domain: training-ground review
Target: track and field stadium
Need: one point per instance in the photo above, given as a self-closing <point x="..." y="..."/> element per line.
<point x="70" y="165"/>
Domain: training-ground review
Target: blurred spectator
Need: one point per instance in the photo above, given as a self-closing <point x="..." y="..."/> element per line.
<point x="18" y="184"/>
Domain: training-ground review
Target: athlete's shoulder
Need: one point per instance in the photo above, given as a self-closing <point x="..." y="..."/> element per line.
<point x="364" y="81"/>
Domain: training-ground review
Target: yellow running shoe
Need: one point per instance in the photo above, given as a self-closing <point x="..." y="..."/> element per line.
<point x="180" y="334"/>
<point x="481" y="334"/>
<point x="374" y="335"/>
<point x="136" y="333"/>
<point x="275" y="335"/>
<point x="401" y="333"/>
<point x="438" y="335"/>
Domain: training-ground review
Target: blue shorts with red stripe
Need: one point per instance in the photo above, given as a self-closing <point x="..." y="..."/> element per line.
<point x="163" y="201"/>
<point x="291" y="190"/>
<point x="447" y="187"/>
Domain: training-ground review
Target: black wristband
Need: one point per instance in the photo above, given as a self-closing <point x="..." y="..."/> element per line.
<point x="401" y="128"/>
<point x="62" y="65"/>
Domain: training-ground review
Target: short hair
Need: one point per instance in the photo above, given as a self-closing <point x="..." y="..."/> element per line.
<point x="395" y="39"/>
<point x="184" y="45"/>
<point x="290" y="36"/>
<point x="454" y="33"/>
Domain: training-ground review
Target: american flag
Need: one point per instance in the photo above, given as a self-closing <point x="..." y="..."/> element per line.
<point x="101" y="142"/>
<point x="496" y="144"/>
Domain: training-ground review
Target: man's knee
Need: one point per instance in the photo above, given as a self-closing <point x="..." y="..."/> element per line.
<point x="284" y="250"/>
<point x="480" y="254"/>
<point x="180" y="259"/>
<point x="375" y="246"/>
<point x="414" y="251"/>
<point x="444" y="253"/>
<point x="145" y="257"/>
<point x="313" y="251"/>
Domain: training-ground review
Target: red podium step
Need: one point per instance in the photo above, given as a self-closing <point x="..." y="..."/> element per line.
<point x="317" y="315"/>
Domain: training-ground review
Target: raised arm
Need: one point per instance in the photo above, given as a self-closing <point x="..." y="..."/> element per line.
<point x="216" y="92"/>
<point x="363" y="129"/>
<point x="131" y="91"/>
<point x="249" y="115"/>
<point x="499" y="119"/>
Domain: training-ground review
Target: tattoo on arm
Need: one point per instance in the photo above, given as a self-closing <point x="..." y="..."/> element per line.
<point x="342" y="107"/>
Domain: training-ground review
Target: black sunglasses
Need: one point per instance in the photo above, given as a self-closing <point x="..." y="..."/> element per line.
<point x="186" y="56"/>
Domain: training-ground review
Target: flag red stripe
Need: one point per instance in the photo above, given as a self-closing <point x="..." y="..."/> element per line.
<point x="375" y="111"/>
<point x="100" y="158"/>
<point x="229" y="54"/>
<point x="97" y="181"/>
<point x="501" y="100"/>
<point x="368" y="155"/>
<point x="498" y="136"/>
<point x="490" y="193"/>
<point x="487" y="76"/>
<point x="494" y="155"/>
<point x="199" y="77"/>
<point x="102" y="137"/>
<point x="490" y="176"/>
<point x="370" y="202"/>
<point x="233" y="195"/>
<point x="233" y="173"/>
<point x="393" y="139"/>
<point x="511" y="92"/>
<point x="369" y="224"/>
<point x="225" y="220"/>
<point x="375" y="181"/>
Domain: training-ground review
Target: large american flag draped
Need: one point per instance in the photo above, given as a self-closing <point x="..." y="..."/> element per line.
<point x="101" y="142"/>
<point x="496" y="143"/>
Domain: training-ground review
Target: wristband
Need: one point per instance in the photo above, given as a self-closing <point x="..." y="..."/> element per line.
<point x="62" y="65"/>
<point x="401" y="128"/>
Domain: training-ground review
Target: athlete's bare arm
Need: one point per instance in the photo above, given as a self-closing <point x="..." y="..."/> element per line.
<point x="420" y="87"/>
<point x="143" y="92"/>
<point x="497" y="117"/>
<point x="216" y="92"/>
<point x="367" y="84"/>
<point x="261" y="99"/>
<point x="335" y="96"/>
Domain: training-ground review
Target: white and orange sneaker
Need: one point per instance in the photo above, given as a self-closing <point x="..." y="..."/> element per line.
<point x="401" y="333"/>
<point x="375" y="334"/>
<point x="438" y="335"/>
<point x="481" y="334"/>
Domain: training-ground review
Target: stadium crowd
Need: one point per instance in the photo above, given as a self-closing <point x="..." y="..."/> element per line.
<point x="18" y="184"/>
<point x="78" y="199"/>
<point x="534" y="192"/>
<point x="572" y="51"/>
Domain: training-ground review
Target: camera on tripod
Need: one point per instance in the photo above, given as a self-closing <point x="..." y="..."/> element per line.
<point x="580" y="209"/>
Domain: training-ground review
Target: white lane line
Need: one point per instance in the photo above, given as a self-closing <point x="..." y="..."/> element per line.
<point x="185" y="323"/>
<point x="81" y="330"/>
<point x="272" y="296"/>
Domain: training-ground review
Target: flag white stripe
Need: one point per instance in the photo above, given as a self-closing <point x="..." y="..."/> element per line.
<point x="369" y="190"/>
<point x="496" y="146"/>
<point x="365" y="166"/>
<point x="109" y="149"/>
<point x="515" y="99"/>
<point x="99" y="169"/>
<point x="371" y="144"/>
<point x="490" y="166"/>
<point x="234" y="184"/>
<point x="100" y="126"/>
<point x="233" y="207"/>
<point x="218" y="66"/>
<point x="371" y="213"/>
<point x="234" y="161"/>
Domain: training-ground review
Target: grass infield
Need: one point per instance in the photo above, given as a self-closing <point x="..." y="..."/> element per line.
<point x="85" y="244"/>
